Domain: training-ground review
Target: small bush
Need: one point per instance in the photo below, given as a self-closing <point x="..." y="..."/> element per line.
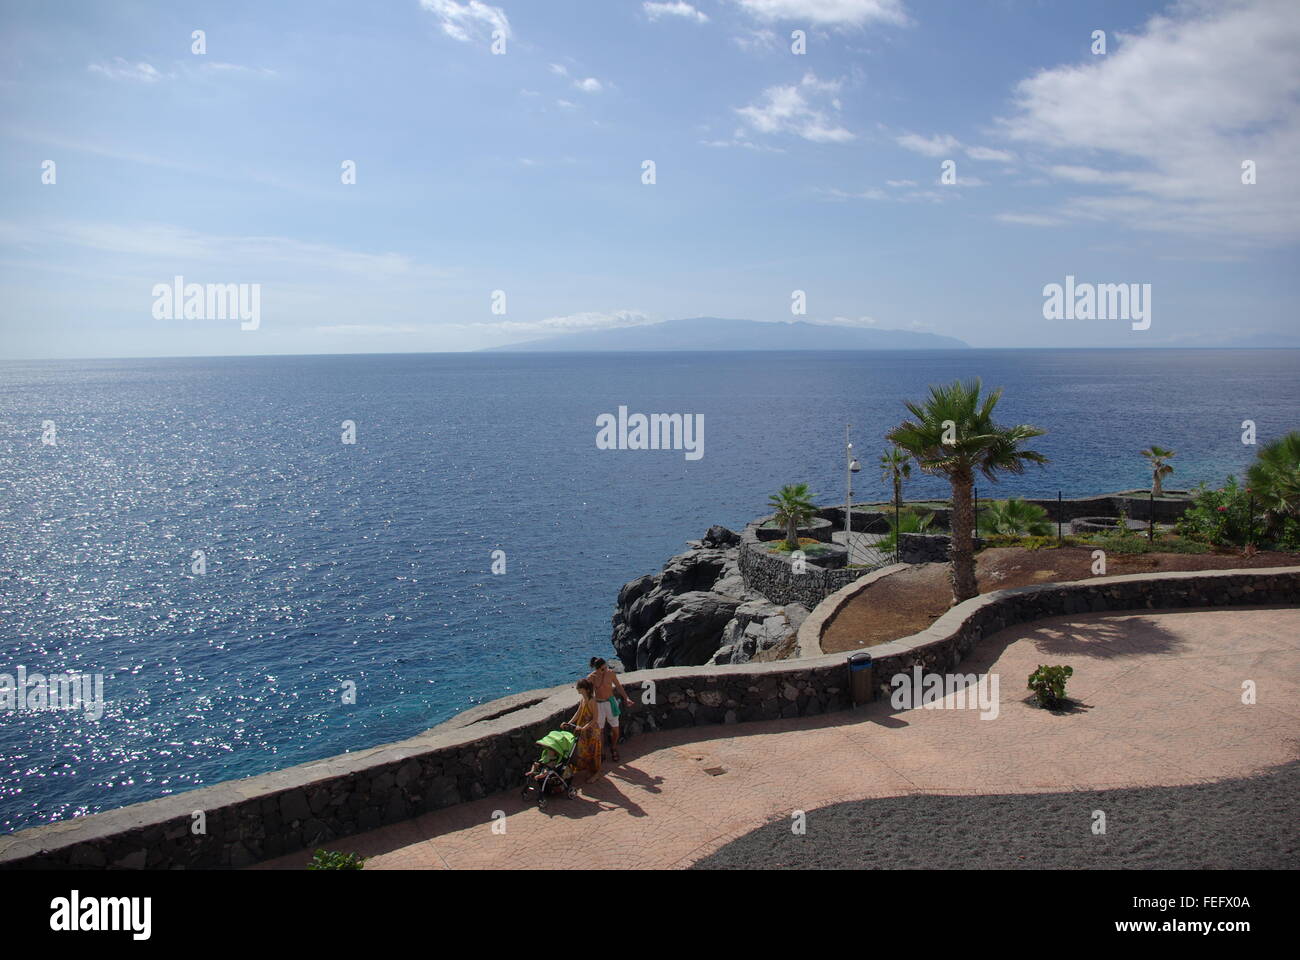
<point x="1048" y="684"/>
<point x="911" y="519"/>
<point x="333" y="860"/>
<point x="1013" y="517"/>
<point x="1221" y="517"/>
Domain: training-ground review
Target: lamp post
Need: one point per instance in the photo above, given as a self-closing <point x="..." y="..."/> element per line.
<point x="851" y="466"/>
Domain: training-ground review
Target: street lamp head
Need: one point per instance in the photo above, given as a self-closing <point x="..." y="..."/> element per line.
<point x="855" y="466"/>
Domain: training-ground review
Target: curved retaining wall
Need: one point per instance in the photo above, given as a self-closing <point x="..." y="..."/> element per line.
<point x="486" y="749"/>
<point x="773" y="575"/>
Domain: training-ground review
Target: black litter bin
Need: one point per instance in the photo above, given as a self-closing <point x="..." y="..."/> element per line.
<point x="860" y="684"/>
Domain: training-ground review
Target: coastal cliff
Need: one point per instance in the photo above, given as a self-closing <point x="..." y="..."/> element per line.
<point x="697" y="610"/>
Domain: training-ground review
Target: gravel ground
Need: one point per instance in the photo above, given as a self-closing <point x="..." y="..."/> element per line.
<point x="1242" y="824"/>
<point x="910" y="600"/>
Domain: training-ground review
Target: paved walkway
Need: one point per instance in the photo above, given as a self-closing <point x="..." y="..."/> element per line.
<point x="1160" y="705"/>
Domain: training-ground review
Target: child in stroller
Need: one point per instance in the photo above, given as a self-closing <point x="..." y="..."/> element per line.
<point x="552" y="772"/>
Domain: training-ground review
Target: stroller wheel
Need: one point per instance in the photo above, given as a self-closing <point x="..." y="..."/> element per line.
<point x="571" y="793"/>
<point x="541" y="801"/>
<point x="525" y="795"/>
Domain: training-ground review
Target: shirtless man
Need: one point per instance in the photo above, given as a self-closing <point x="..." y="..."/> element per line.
<point x="606" y="683"/>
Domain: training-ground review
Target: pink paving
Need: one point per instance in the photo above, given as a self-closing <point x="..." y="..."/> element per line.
<point x="1161" y="697"/>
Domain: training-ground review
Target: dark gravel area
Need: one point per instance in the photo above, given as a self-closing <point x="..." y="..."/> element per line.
<point x="1247" y="824"/>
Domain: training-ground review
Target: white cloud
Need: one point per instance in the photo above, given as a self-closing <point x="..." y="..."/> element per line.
<point x="463" y="21"/>
<point x="572" y="323"/>
<point x="154" y="244"/>
<point x="855" y="13"/>
<point x="120" y="69"/>
<point x="588" y="85"/>
<point x="1167" y="119"/>
<point x="987" y="153"/>
<point x="1029" y="219"/>
<point x="559" y="69"/>
<point x="786" y="109"/>
<point x="945" y="144"/>
<point x="756" y="40"/>
<point x="937" y="146"/>
<point x="678" y="9"/>
<point x="860" y="322"/>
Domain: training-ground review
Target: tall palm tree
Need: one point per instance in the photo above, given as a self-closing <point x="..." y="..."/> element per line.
<point x="792" y="505"/>
<point x="953" y="433"/>
<point x="1159" y="467"/>
<point x="1274" y="478"/>
<point x="895" y="467"/>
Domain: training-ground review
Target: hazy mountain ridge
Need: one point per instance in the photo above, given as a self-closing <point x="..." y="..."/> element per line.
<point x="715" y="333"/>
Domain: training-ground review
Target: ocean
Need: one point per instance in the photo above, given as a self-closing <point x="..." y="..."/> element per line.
<point x="329" y="567"/>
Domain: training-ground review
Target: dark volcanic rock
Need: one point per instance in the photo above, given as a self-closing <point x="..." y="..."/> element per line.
<point x="720" y="536"/>
<point x="676" y="617"/>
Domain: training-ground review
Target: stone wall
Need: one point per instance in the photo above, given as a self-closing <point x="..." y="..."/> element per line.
<point x="872" y="519"/>
<point x="485" y="750"/>
<point x="773" y="575"/>
<point x="928" y="547"/>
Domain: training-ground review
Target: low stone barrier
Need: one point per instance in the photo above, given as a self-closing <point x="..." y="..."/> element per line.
<point x="928" y="547"/>
<point x="773" y="575"/>
<point x="486" y="749"/>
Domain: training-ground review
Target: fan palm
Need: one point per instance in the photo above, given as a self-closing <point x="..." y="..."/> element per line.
<point x="1159" y="467"/>
<point x="953" y="433"/>
<point x="792" y="505"/>
<point x="1274" y="479"/>
<point x="1013" y="518"/>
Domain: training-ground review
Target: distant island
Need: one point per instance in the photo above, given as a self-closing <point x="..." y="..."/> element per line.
<point x="715" y="333"/>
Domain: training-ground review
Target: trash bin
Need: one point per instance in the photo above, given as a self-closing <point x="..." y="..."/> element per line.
<point x="860" y="682"/>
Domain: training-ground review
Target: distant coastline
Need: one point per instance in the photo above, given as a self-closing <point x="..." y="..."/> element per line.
<point x="715" y="333"/>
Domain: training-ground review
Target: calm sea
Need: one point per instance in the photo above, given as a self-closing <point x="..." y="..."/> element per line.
<point x="371" y="562"/>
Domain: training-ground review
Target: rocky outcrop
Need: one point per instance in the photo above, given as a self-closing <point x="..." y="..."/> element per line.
<point x="697" y="610"/>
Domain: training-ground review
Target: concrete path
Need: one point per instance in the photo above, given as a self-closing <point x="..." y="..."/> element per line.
<point x="1160" y="704"/>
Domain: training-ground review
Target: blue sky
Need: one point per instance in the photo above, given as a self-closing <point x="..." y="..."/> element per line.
<point x="522" y="172"/>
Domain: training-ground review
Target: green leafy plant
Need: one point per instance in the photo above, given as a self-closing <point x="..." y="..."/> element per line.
<point x="1160" y="468"/>
<point x="910" y="520"/>
<point x="334" y="860"/>
<point x="792" y="505"/>
<point x="1014" y="517"/>
<point x="953" y="433"/>
<point x="1274" y="479"/>
<point x="1220" y="517"/>
<point x="1048" y="684"/>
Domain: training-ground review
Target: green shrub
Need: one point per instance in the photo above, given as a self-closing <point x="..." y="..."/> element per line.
<point x="1036" y="543"/>
<point x="1048" y="684"/>
<point x="1221" y="517"/>
<point x="1138" y="544"/>
<point x="910" y="520"/>
<point x="333" y="860"/>
<point x="1013" y="517"/>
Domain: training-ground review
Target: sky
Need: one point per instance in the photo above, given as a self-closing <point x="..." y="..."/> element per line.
<point x="500" y="154"/>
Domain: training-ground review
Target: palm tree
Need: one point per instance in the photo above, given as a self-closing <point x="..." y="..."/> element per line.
<point x="953" y="433"/>
<point x="1274" y="479"/>
<point x="895" y="467"/>
<point x="792" y="505"/>
<point x="1159" y="468"/>
<point x="1014" y="517"/>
